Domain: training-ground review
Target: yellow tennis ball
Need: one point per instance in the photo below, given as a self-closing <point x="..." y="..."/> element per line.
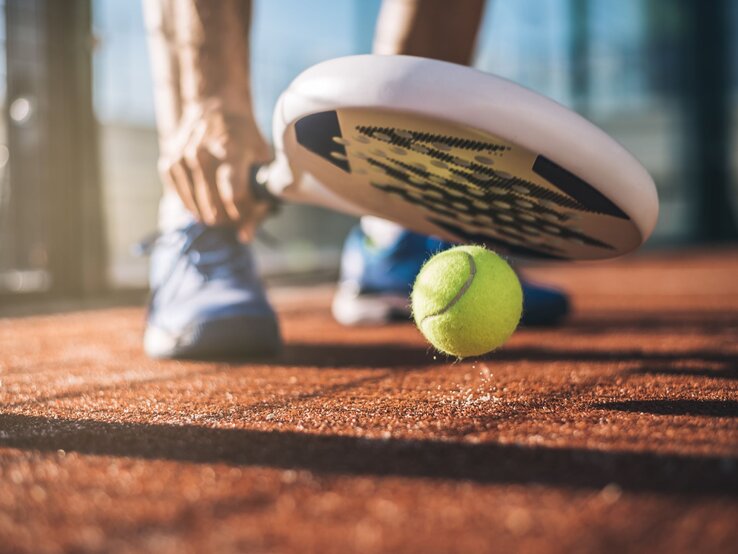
<point x="467" y="301"/>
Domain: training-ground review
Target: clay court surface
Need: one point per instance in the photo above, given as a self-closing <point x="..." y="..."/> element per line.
<point x="615" y="432"/>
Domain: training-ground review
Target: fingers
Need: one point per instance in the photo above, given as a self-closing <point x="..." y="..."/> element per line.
<point x="193" y="177"/>
<point x="208" y="163"/>
<point x="247" y="229"/>
<point x="233" y="188"/>
<point x="203" y="167"/>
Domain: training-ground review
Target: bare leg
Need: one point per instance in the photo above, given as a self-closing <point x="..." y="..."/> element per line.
<point x="159" y="16"/>
<point x="208" y="134"/>
<point x="432" y="29"/>
<point x="436" y="29"/>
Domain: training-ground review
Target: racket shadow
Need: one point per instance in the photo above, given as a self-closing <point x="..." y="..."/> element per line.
<point x="484" y="463"/>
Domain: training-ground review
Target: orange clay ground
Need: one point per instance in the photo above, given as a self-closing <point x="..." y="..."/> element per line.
<point x="617" y="431"/>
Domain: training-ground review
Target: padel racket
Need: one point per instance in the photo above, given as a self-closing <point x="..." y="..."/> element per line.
<point x="450" y="151"/>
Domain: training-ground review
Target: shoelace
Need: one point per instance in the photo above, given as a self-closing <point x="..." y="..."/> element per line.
<point x="227" y="257"/>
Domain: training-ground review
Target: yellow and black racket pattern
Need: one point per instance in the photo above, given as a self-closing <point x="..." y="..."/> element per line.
<point x="476" y="187"/>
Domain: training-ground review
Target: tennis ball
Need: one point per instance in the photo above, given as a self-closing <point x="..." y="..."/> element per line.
<point x="467" y="301"/>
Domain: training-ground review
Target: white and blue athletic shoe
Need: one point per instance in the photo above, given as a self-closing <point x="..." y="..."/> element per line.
<point x="207" y="300"/>
<point x="376" y="282"/>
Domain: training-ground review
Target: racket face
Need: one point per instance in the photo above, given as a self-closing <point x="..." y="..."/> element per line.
<point x="458" y="183"/>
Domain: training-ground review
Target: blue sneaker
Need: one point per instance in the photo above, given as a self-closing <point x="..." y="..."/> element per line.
<point x="206" y="299"/>
<point x="375" y="283"/>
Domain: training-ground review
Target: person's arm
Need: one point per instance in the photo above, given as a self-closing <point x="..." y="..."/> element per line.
<point x="208" y="134"/>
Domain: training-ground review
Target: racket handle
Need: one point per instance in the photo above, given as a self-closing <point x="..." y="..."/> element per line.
<point x="258" y="177"/>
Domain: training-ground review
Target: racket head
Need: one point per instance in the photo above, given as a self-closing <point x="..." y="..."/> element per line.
<point x="449" y="151"/>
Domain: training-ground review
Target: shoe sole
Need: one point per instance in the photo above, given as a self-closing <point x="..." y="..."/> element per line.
<point x="352" y="310"/>
<point x="232" y="337"/>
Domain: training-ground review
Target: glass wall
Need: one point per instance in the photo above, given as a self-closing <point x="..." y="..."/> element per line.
<point x="6" y="230"/>
<point x="23" y="232"/>
<point x="617" y="63"/>
<point x="613" y="62"/>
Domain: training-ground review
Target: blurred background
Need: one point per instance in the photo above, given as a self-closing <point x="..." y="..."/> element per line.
<point x="78" y="150"/>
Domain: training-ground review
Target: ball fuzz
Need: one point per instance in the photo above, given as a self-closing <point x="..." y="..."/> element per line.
<point x="467" y="301"/>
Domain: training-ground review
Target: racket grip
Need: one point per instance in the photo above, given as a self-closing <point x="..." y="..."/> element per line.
<point x="258" y="177"/>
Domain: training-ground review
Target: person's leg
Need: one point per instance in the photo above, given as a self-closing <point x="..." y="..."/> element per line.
<point x="207" y="299"/>
<point x="164" y="58"/>
<point x="427" y="28"/>
<point x="381" y="258"/>
<point x="436" y="29"/>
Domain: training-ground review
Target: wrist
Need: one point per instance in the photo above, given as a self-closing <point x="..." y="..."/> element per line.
<point x="229" y="108"/>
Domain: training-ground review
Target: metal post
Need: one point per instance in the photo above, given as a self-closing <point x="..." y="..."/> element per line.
<point x="708" y="118"/>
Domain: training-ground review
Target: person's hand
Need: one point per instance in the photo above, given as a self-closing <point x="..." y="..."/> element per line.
<point x="207" y="162"/>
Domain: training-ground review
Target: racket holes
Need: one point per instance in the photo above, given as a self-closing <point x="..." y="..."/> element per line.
<point x="382" y="136"/>
<point x="480" y="176"/>
<point x="440" y="164"/>
<point x="550" y="217"/>
<point x="436" y="180"/>
<point x="379" y="153"/>
<point x="503" y="175"/>
<point x="462" y="162"/>
<point x="506" y="217"/>
<point x="530" y="229"/>
<point x="460" y="206"/>
<point x="484" y="160"/>
<point x="502" y="204"/>
<point x="523" y="203"/>
<point x="551" y="229"/>
<point x="476" y="192"/>
<point x="360" y="156"/>
<point x="338" y="156"/>
<point x="549" y="204"/>
<point x="341" y="140"/>
<point x="521" y="189"/>
<point x="527" y="217"/>
<point x="456" y="193"/>
<point x="480" y="205"/>
<point x="361" y="138"/>
<point x="433" y="194"/>
<point x="419" y="148"/>
<point x="399" y="151"/>
<point x="497" y="190"/>
<point x="417" y="180"/>
<point x="404" y="134"/>
<point x="441" y="146"/>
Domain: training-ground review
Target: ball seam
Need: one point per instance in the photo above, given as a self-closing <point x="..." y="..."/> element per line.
<point x="460" y="293"/>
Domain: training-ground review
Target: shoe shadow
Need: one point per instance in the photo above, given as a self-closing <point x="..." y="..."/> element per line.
<point x="343" y="356"/>
<point x="399" y="356"/>
<point x="396" y="356"/>
<point x="485" y="463"/>
<point x="706" y="408"/>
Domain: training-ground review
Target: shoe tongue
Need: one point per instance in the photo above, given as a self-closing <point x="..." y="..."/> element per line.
<point x="215" y="238"/>
<point x="216" y="246"/>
